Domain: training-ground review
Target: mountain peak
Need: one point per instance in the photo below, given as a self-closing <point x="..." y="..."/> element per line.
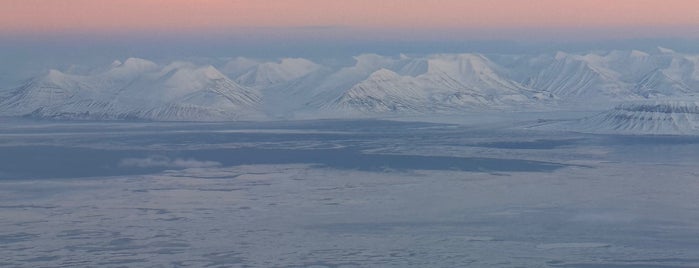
<point x="471" y="57"/>
<point x="560" y="55"/>
<point x="274" y="73"/>
<point x="211" y="72"/>
<point x="239" y="65"/>
<point x="665" y="50"/>
<point x="383" y="74"/>
<point x="371" y="60"/>
<point x="638" y="54"/>
<point x="54" y="73"/>
<point x="139" y="64"/>
<point x="55" y="76"/>
<point x="297" y="61"/>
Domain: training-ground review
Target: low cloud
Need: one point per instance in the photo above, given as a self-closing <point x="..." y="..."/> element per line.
<point x="162" y="161"/>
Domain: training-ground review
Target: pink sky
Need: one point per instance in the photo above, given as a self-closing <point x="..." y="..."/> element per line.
<point x="59" y="16"/>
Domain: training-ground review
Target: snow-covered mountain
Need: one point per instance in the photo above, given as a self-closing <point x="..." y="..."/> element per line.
<point x="666" y="117"/>
<point x="369" y="85"/>
<point x="618" y="76"/>
<point x="658" y="83"/>
<point x="576" y="77"/>
<point x="135" y="89"/>
<point x="446" y="83"/>
<point x="272" y="73"/>
<point x="385" y="91"/>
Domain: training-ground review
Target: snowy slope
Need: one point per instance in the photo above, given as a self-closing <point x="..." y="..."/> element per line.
<point x="658" y="83"/>
<point x="439" y="83"/>
<point x="579" y="78"/>
<point x="385" y="91"/>
<point x="136" y="89"/>
<point x="667" y="117"/>
<point x="239" y="66"/>
<point x="684" y="68"/>
<point x="602" y="79"/>
<point x="369" y="85"/>
<point x="272" y="73"/>
<point x="52" y="89"/>
<point x="472" y="71"/>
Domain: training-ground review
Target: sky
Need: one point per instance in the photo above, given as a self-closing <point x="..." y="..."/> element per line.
<point x="36" y="35"/>
<point x="504" y="19"/>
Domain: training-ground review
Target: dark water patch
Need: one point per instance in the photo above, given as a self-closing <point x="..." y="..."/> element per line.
<point x="86" y="234"/>
<point x="383" y="227"/>
<point x="662" y="260"/>
<point x="614" y="265"/>
<point x="536" y="144"/>
<point x="26" y="207"/>
<point x="355" y="160"/>
<point x="39" y="162"/>
<point x="656" y="149"/>
<point x="360" y="125"/>
<point x="16" y="237"/>
<point x="36" y="162"/>
<point x="217" y="259"/>
<point x="353" y="125"/>
<point x="42" y="259"/>
<point x="650" y="140"/>
<point x="213" y="138"/>
<point x="122" y="262"/>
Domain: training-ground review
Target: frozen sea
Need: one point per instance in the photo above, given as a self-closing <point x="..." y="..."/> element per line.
<point x="343" y="193"/>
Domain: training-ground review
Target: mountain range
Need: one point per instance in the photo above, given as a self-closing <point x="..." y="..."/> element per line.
<point x="371" y="85"/>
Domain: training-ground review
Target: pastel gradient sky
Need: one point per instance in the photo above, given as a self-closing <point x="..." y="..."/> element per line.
<point x="503" y="16"/>
<point x="36" y="35"/>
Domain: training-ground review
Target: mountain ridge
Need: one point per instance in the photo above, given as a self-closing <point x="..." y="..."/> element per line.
<point x="372" y="85"/>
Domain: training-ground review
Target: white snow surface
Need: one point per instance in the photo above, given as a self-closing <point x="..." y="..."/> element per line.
<point x="371" y="86"/>
<point x="135" y="89"/>
<point x="660" y="118"/>
<point x="229" y="194"/>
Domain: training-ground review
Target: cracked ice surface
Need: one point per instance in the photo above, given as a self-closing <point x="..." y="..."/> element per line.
<point x="610" y="201"/>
